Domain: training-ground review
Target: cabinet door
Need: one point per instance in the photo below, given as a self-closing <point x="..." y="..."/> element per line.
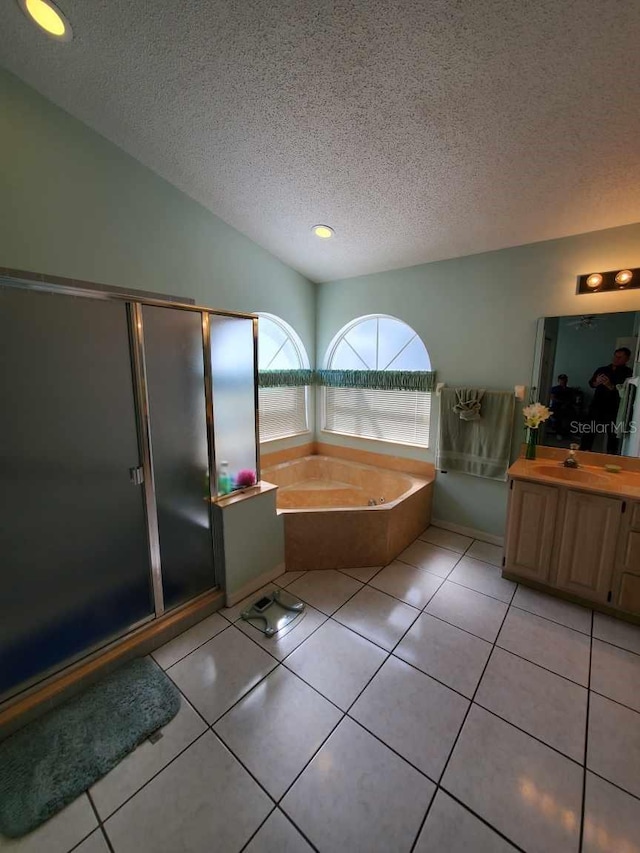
<point x="587" y="547"/>
<point x="628" y="582"/>
<point x="532" y="518"/>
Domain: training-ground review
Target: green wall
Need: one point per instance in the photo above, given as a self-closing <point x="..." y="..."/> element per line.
<point x="477" y="316"/>
<point x="75" y="205"/>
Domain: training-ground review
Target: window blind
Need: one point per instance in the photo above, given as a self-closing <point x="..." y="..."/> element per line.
<point x="398" y="416"/>
<point x="283" y="412"/>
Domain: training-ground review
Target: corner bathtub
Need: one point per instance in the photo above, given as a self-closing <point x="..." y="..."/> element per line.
<point x="328" y="522"/>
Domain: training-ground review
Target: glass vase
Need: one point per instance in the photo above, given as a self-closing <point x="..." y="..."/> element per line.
<point x="532" y="441"/>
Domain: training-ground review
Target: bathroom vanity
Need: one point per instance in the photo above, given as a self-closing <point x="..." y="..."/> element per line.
<point x="576" y="532"/>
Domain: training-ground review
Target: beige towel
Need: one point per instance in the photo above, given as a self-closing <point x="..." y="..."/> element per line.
<point x="479" y="447"/>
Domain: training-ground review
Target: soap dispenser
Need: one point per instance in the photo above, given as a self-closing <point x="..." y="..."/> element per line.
<point x="571" y="461"/>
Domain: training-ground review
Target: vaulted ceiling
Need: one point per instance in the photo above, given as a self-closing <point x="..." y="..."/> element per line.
<point x="417" y="130"/>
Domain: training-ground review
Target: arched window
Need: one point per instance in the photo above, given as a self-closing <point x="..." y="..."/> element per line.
<point x="392" y="410"/>
<point x="283" y="409"/>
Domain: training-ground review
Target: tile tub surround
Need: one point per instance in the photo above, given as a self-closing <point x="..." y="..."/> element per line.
<point x="327" y="523"/>
<point x="335" y="739"/>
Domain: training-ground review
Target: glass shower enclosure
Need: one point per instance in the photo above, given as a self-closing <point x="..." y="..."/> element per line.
<point x="112" y="411"/>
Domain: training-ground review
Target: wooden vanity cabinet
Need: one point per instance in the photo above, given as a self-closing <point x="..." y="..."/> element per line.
<point x="533" y="510"/>
<point x="586" y="545"/>
<point x="575" y="541"/>
<point x="627" y="581"/>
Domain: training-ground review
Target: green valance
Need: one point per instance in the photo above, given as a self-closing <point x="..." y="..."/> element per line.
<point x="285" y="378"/>
<point x="382" y="380"/>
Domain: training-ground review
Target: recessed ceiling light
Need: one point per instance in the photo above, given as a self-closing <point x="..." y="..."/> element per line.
<point x="48" y="17"/>
<point x="594" y="280"/>
<point x="324" y="232"/>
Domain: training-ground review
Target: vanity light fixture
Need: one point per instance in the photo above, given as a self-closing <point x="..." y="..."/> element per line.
<point x="599" y="282"/>
<point x="324" y="232"/>
<point x="48" y="17"/>
<point x="624" y="277"/>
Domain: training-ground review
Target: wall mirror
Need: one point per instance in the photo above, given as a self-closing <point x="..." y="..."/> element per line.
<point x="587" y="370"/>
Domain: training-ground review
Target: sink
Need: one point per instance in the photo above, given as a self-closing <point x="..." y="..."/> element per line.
<point x="572" y="475"/>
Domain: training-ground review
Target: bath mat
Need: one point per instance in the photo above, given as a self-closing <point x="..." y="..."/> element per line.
<point x="53" y="759"/>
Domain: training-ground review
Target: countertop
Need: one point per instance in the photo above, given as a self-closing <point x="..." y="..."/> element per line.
<point x="586" y="478"/>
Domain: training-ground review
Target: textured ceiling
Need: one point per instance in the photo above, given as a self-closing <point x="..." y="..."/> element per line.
<point x="419" y="130"/>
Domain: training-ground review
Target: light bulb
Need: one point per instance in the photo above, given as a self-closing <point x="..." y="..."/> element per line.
<point x="594" y="280"/>
<point x="624" y="277"/>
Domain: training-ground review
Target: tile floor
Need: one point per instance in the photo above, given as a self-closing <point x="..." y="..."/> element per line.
<point x="428" y="706"/>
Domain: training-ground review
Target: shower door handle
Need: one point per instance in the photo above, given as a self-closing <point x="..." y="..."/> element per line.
<point x="137" y="475"/>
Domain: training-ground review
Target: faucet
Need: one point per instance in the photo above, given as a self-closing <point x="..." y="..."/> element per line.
<point x="571" y="461"/>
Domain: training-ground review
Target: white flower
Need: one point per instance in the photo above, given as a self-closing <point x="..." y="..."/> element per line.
<point x="535" y="414"/>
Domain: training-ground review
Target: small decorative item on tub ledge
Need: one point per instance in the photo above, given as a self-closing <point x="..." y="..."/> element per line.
<point x="534" y="415"/>
<point x="245" y="478"/>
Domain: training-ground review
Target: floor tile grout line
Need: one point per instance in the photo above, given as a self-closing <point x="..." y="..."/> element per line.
<point x="480" y="592"/>
<point x="391" y="595"/>
<point x="586" y="742"/>
<point x="472" y="701"/>
<point x="438" y="545"/>
<point x="101" y="826"/>
<point x="329" y="615"/>
<point x="614" y="784"/>
<point x="622" y="648"/>
<point x="391" y="748"/>
<point x="76" y="844"/>
<point x="541" y="666"/>
<point x="462" y="725"/>
<point x="377" y="572"/>
<point x="422" y="568"/>
<point x="195" y="649"/>
<point x="428" y="675"/>
<point x="615" y="701"/>
<point x="288" y="818"/>
<point x="546" y="619"/>
<point x="104" y="821"/>
<point x="307" y="763"/>
<point x="525" y="732"/>
<point x="555" y="621"/>
<point x="462" y="554"/>
<point x="258" y="828"/>
<point x="466" y="631"/>
<point x="480" y="818"/>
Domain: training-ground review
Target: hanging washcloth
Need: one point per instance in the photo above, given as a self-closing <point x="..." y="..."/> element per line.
<point x="468" y="402"/>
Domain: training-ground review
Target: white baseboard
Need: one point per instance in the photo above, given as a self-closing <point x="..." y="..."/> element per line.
<point x="469" y="531"/>
<point x="254" y="584"/>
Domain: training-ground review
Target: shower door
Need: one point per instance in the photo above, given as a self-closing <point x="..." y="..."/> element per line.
<point x="74" y="560"/>
<point x="175" y="381"/>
